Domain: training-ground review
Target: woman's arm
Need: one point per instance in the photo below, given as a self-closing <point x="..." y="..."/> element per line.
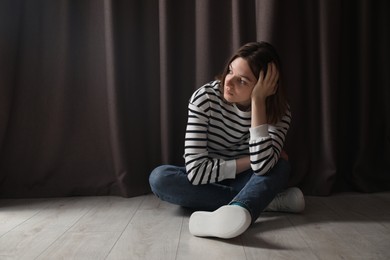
<point x="264" y="87"/>
<point x="266" y="141"/>
<point x="201" y="168"/>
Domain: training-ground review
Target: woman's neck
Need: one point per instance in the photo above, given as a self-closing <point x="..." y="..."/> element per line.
<point x="244" y="107"/>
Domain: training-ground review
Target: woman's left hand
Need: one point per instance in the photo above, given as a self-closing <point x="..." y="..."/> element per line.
<point x="284" y="155"/>
<point x="266" y="86"/>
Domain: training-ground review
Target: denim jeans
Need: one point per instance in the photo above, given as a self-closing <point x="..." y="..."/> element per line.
<point x="254" y="192"/>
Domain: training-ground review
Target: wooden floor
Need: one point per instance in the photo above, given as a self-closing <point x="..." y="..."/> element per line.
<point x="343" y="226"/>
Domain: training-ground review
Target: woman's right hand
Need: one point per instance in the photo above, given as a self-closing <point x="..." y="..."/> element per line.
<point x="243" y="164"/>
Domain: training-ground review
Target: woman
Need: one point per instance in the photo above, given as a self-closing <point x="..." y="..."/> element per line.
<point x="235" y="166"/>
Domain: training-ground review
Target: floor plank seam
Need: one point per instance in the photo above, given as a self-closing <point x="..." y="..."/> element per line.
<point x="123" y="230"/>
<point x="180" y="233"/>
<point x="21" y="223"/>
<point x="296" y="229"/>
<point x="244" y="247"/>
<point x="66" y="231"/>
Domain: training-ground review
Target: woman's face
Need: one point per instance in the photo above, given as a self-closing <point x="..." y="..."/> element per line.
<point x="239" y="83"/>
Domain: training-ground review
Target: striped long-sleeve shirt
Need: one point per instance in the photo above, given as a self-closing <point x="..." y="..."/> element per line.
<point x="218" y="133"/>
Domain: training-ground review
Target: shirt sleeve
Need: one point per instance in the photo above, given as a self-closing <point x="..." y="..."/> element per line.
<point x="202" y="169"/>
<point x="266" y="143"/>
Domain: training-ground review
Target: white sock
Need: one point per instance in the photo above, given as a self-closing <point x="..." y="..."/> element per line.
<point x="226" y="222"/>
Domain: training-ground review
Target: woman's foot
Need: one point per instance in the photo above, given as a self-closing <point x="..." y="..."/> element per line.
<point x="291" y="200"/>
<point x="226" y="222"/>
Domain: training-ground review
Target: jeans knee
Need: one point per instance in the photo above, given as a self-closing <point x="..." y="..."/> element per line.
<point x="154" y="178"/>
<point x="159" y="178"/>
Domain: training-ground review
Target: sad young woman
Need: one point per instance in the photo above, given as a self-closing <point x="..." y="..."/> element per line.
<point x="235" y="165"/>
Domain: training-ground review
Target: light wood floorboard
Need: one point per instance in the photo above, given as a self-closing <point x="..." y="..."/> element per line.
<point x="342" y="226"/>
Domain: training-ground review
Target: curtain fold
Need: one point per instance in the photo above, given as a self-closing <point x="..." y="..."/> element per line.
<point x="371" y="163"/>
<point x="116" y="134"/>
<point x="94" y="94"/>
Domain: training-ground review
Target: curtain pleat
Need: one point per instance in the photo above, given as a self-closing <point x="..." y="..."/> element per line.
<point x="94" y="94"/>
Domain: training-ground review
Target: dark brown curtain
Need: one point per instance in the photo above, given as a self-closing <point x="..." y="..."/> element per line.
<point x="93" y="94"/>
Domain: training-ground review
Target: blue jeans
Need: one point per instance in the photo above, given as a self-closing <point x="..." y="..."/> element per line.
<point x="254" y="192"/>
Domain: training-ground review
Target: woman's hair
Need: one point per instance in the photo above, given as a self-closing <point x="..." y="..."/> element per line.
<point x="258" y="55"/>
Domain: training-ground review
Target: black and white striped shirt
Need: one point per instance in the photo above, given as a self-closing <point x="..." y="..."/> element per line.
<point x="218" y="133"/>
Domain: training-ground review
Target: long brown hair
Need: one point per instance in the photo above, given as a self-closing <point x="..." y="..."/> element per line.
<point x="258" y="55"/>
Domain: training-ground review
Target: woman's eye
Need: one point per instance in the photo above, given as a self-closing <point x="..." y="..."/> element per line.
<point x="242" y="82"/>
